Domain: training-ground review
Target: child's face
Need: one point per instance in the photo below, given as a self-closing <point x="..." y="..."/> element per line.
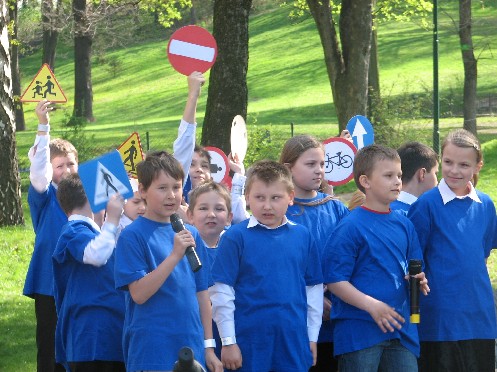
<point x="62" y="166"/>
<point x="163" y="197"/>
<point x="210" y="214"/>
<point x="200" y="170"/>
<point x="384" y="184"/>
<point x="134" y="207"/>
<point x="269" y="202"/>
<point x="458" y="167"/>
<point x="308" y="172"/>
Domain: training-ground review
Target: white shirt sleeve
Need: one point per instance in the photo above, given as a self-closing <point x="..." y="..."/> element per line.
<point x="40" y="171"/>
<point x="98" y="251"/>
<point x="223" y="308"/>
<point x="184" y="145"/>
<point x="238" y="202"/>
<point x="314" y="310"/>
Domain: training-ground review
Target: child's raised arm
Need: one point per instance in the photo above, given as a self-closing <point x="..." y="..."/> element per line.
<point x="40" y="172"/>
<point x="385" y="316"/>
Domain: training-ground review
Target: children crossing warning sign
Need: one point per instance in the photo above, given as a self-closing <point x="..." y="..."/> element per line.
<point x="131" y="153"/>
<point x="44" y="86"/>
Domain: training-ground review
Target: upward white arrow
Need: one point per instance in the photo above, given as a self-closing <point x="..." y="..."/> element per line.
<point x="359" y="133"/>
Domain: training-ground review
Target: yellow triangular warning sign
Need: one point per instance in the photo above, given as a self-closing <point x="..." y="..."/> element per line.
<point x="44" y="86"/>
<point x="131" y="153"/>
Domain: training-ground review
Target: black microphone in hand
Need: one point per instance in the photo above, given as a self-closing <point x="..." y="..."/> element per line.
<point x="191" y="255"/>
<point x="414" y="268"/>
<point x="186" y="362"/>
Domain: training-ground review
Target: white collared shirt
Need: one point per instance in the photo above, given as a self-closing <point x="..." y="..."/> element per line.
<point x="253" y="222"/>
<point x="449" y="195"/>
<point x="407" y="198"/>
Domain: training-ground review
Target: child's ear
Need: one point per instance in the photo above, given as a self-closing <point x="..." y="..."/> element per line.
<point x="189" y="214"/>
<point x="364" y="181"/>
<point x="478" y="167"/>
<point x="292" y="196"/>
<point x="230" y="218"/>
<point x="421" y="173"/>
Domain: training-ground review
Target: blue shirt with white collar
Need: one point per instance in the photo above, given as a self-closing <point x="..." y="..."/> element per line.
<point x="456" y="235"/>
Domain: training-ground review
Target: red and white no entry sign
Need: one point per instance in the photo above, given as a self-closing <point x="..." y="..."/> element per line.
<point x="192" y="48"/>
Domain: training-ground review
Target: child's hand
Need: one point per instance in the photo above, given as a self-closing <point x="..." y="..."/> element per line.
<point x="212" y="362"/>
<point x="115" y="208"/>
<point x="183" y="240"/>
<point x="385" y="316"/>
<point x="423" y="282"/>
<point x="236" y="165"/>
<point x="42" y="109"/>
<point x="231" y="356"/>
<point x="195" y="81"/>
<point x="314" y="352"/>
<point x="345" y="134"/>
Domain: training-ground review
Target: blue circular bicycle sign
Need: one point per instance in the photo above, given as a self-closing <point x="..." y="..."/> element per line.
<point x="339" y="155"/>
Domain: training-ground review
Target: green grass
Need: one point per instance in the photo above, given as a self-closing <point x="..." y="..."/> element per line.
<point x="287" y="83"/>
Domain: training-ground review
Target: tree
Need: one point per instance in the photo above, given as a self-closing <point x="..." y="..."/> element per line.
<point x="10" y="181"/>
<point x="50" y="20"/>
<point x="470" y="65"/>
<point x="228" y="93"/>
<point x="16" y="77"/>
<point x="347" y="58"/>
<point x="83" y="40"/>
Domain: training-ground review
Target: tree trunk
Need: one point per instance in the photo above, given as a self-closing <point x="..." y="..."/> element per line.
<point x="16" y="77"/>
<point x="10" y="180"/>
<point x="83" y="93"/>
<point x="227" y="94"/>
<point x="470" y="65"/>
<point x="347" y="66"/>
<point x="50" y="33"/>
<point x="374" y="93"/>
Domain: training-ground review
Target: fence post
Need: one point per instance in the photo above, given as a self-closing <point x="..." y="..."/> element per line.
<point x="148" y="140"/>
<point x="291" y="128"/>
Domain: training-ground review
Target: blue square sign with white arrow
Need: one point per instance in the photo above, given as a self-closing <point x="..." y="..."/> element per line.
<point x="103" y="177"/>
<point x="361" y="131"/>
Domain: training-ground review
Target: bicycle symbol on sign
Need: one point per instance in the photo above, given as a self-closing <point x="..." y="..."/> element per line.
<point x="344" y="161"/>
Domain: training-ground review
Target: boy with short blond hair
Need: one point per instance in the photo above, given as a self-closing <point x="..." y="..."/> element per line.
<point x="267" y="298"/>
<point x="51" y="161"/>
<point x="366" y="266"/>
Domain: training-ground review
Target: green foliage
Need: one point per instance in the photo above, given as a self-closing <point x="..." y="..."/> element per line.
<point x="167" y="11"/>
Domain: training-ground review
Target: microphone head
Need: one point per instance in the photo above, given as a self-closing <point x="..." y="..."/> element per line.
<point x="176" y="222"/>
<point x="415" y="267"/>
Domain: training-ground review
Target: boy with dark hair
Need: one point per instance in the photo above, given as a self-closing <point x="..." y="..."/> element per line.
<point x="419" y="165"/>
<point x="268" y="295"/>
<point x="366" y="267"/>
<point x="90" y="310"/>
<point x="51" y="161"/>
<point x="168" y="306"/>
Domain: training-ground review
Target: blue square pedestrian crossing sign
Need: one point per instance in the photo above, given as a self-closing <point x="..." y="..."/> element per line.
<point x="103" y="177"/>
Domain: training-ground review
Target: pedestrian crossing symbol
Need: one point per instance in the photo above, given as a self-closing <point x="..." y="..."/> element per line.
<point x="103" y="177"/>
<point x="44" y="86"/>
<point x="131" y="153"/>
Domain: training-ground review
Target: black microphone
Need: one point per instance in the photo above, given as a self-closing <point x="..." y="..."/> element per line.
<point x="191" y="255"/>
<point x="186" y="362"/>
<point x="414" y="268"/>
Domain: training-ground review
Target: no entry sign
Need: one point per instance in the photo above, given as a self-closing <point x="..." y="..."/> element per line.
<point x="192" y="48"/>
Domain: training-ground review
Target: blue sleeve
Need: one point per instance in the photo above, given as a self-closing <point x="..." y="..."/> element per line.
<point x="37" y="202"/>
<point x="202" y="277"/>
<point x="72" y="243"/>
<point x="314" y="273"/>
<point x="227" y="265"/>
<point x="420" y="216"/>
<point x="341" y="252"/>
<point x="130" y="264"/>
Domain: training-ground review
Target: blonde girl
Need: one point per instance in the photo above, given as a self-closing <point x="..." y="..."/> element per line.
<point x="320" y="213"/>
<point x="456" y="225"/>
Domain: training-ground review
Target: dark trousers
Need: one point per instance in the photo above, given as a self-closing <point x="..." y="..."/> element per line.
<point x="97" y="366"/>
<point x="326" y="362"/>
<point x="457" y="356"/>
<point x="46" y="320"/>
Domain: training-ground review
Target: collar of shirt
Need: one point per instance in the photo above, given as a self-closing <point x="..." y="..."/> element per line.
<point x="448" y="195"/>
<point x="407" y="198"/>
<point x="79" y="217"/>
<point x="253" y="222"/>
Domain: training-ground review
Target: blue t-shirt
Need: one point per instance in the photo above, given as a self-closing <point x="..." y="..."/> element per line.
<point x="155" y="331"/>
<point x="401" y="206"/>
<point x="48" y="219"/>
<point x="269" y="270"/>
<point x="321" y="220"/>
<point x="90" y="310"/>
<point x="371" y="251"/>
<point x="456" y="238"/>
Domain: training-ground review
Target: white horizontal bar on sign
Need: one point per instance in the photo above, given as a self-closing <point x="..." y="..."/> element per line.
<point x="190" y="50"/>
